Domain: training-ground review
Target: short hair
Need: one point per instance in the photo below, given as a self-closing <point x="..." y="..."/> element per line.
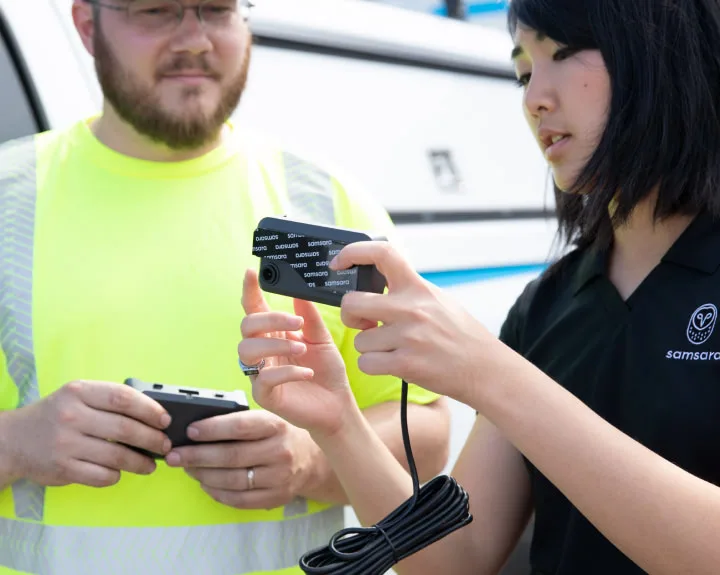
<point x="663" y="127"/>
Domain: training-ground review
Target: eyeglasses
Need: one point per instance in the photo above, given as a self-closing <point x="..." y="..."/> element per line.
<point x="157" y="16"/>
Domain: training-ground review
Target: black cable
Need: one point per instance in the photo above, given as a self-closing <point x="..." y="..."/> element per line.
<point x="433" y="512"/>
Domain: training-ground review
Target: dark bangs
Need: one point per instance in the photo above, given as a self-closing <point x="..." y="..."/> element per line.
<point x="564" y="21"/>
<point x="663" y="128"/>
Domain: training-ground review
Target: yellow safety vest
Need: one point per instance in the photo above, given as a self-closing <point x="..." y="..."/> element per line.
<point x="30" y="545"/>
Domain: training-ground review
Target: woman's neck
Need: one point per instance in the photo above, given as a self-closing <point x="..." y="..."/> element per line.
<point x="640" y="244"/>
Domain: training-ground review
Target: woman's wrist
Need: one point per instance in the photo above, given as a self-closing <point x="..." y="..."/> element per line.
<point x="496" y="380"/>
<point x="353" y="426"/>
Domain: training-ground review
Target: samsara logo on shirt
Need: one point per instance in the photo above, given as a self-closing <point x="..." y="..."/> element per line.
<point x="699" y="329"/>
<point x="702" y="324"/>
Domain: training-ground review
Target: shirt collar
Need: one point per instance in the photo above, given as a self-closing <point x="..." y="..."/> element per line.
<point x="697" y="248"/>
<point x="593" y="263"/>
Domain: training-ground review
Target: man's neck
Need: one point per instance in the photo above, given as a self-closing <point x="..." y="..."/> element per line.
<point x="119" y="136"/>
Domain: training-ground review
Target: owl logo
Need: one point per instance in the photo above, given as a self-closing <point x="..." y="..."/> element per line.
<point x="702" y="324"/>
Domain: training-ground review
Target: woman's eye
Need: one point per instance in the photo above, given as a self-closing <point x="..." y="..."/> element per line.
<point x="523" y="80"/>
<point x="564" y="53"/>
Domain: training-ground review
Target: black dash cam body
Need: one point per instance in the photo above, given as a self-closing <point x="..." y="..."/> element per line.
<point x="295" y="258"/>
<point x="188" y="405"/>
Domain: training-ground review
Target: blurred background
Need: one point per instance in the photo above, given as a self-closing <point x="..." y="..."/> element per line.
<point x="415" y="101"/>
<point x="483" y="12"/>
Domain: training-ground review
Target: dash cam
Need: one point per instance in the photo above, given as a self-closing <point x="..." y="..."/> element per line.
<point x="187" y="405"/>
<point x="295" y="259"/>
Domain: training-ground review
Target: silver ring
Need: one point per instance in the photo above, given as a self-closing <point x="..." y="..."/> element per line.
<point x="251" y="478"/>
<point x="251" y="369"/>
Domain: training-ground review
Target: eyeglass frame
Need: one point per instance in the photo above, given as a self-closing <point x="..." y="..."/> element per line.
<point x="245" y="7"/>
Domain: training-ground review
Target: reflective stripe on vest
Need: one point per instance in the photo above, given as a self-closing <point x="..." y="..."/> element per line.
<point x="212" y="549"/>
<point x="28" y="545"/>
<point x="17" y="226"/>
<point x="310" y="191"/>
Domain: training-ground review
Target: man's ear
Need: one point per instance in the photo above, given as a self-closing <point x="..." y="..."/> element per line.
<point x="82" y="15"/>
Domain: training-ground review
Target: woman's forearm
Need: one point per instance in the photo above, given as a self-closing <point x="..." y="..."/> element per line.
<point x="372" y="478"/>
<point x="663" y="518"/>
<point x="376" y="484"/>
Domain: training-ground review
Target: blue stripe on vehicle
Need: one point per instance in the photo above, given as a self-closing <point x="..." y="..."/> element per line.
<point x="475" y="9"/>
<point x="460" y="277"/>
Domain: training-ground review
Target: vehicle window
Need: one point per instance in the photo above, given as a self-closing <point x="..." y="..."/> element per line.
<point x="17" y="116"/>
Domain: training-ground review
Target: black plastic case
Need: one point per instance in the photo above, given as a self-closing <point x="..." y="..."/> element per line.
<point x="187" y="405"/>
<point x="294" y="258"/>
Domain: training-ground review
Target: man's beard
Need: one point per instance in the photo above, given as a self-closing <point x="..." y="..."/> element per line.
<point x="142" y="109"/>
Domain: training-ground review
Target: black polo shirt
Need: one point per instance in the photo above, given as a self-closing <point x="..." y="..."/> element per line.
<point x="650" y="366"/>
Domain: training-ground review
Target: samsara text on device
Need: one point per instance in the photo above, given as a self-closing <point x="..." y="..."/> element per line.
<point x="295" y="258"/>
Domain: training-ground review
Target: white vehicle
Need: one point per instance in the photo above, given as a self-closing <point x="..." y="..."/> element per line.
<point x="484" y="12"/>
<point x="420" y="110"/>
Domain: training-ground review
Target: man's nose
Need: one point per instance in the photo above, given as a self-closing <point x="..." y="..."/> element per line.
<point x="190" y="34"/>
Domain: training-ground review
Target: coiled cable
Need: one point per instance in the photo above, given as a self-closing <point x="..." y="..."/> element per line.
<point x="434" y="511"/>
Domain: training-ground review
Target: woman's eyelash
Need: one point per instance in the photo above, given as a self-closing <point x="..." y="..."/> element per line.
<point x="523" y="80"/>
<point x="559" y="56"/>
<point x="564" y="53"/>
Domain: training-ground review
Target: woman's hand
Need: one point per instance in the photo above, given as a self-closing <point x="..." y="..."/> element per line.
<point x="304" y="379"/>
<point x="424" y="337"/>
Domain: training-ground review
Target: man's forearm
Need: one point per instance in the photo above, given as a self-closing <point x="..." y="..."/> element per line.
<point x="429" y="427"/>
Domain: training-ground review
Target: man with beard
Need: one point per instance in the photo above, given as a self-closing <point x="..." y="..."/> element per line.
<point x="124" y="241"/>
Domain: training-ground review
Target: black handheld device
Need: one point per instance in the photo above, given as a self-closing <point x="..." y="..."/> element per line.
<point x="295" y="257"/>
<point x="188" y="405"/>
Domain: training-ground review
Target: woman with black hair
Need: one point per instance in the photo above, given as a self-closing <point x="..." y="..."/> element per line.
<point x="600" y="401"/>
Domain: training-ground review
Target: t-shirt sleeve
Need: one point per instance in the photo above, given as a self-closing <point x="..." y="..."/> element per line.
<point x="512" y="330"/>
<point x="358" y="210"/>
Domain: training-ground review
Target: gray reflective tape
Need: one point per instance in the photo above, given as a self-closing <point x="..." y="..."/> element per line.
<point x="310" y="190"/>
<point x="230" y="549"/>
<point x="298" y="506"/>
<point x="17" y="229"/>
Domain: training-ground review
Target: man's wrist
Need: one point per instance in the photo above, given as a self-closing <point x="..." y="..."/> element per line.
<point x="318" y="472"/>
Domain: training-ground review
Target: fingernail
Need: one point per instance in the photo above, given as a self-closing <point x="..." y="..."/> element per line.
<point x="165" y="420"/>
<point x="309" y="373"/>
<point x="193" y="433"/>
<point x="296" y="347"/>
<point x="333" y="263"/>
<point x="167" y="445"/>
<point x="172" y="459"/>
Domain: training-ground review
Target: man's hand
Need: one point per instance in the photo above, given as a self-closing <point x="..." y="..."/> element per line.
<point x="74" y="435"/>
<point x="281" y="456"/>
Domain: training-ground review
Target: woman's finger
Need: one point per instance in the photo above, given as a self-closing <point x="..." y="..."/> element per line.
<point x="314" y="329"/>
<point x="385" y="363"/>
<point x="383" y="338"/>
<point x="252" y="351"/>
<point x="271" y="377"/>
<point x="253" y="300"/>
<point x="262" y="323"/>
<point x="384" y="256"/>
<point x="363" y="310"/>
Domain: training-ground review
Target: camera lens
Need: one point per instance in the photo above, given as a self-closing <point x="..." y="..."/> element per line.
<point x="270" y="274"/>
